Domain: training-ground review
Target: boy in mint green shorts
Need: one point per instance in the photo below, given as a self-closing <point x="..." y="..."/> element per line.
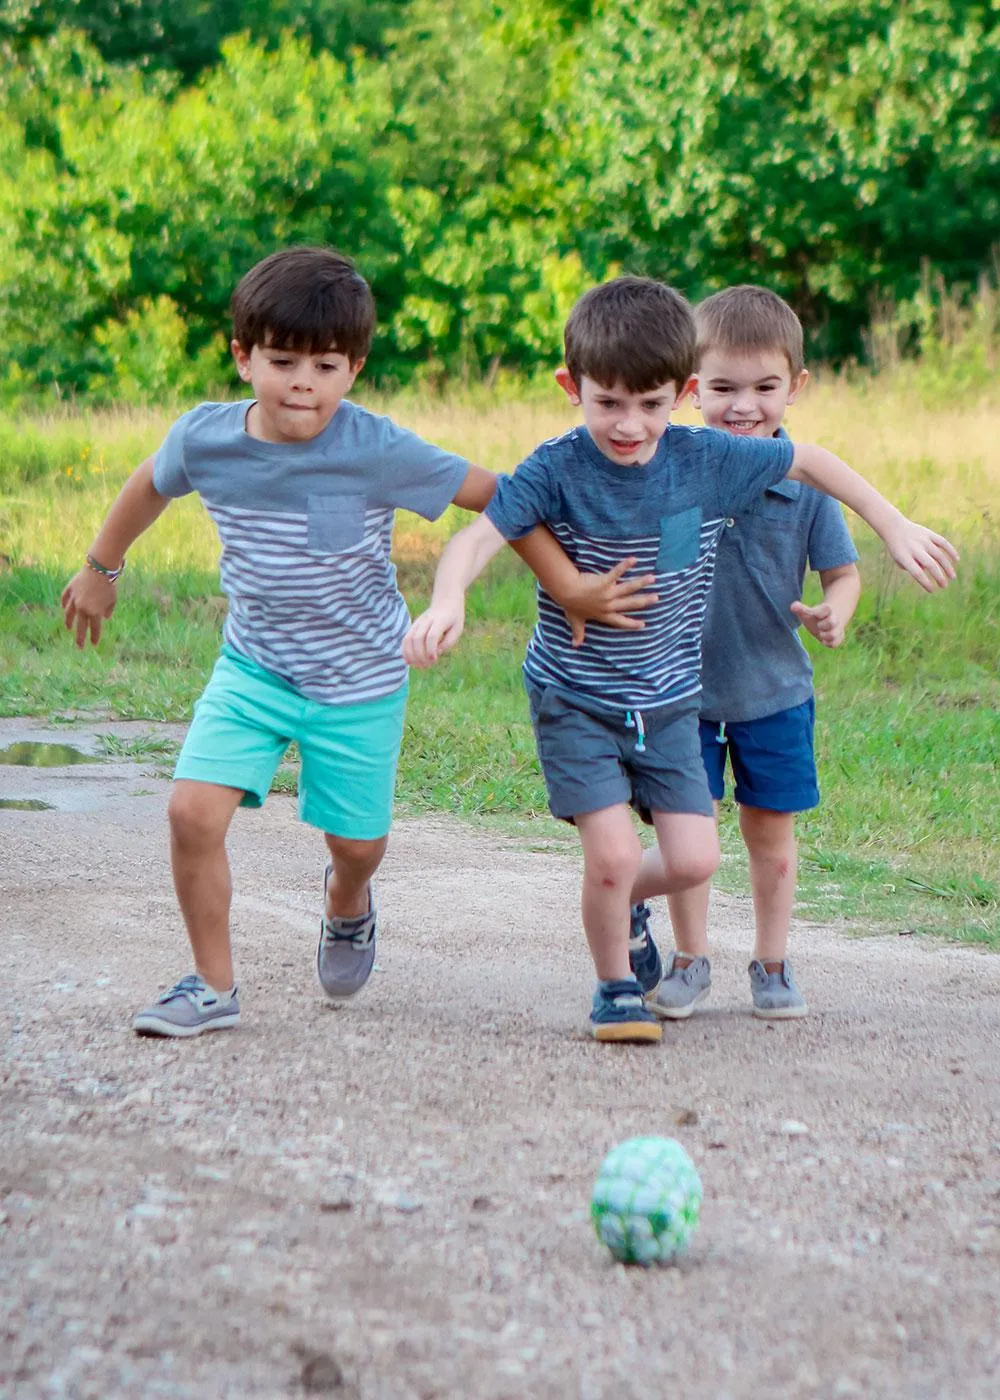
<point x="302" y="485"/>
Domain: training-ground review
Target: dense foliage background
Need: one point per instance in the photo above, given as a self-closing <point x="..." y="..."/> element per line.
<point x="483" y="163"/>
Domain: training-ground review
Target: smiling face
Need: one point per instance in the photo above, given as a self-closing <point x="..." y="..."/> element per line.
<point x="746" y="394"/>
<point x="297" y="392"/>
<point x="625" y="426"/>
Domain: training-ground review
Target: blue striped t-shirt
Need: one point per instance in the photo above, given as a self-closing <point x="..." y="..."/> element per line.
<point x="669" y="514"/>
<point x="306" y="530"/>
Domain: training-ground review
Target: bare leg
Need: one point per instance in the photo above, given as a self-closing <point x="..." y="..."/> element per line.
<point x="354" y="863"/>
<point x="689" y="921"/>
<point x="770" y="841"/>
<point x="611" y="855"/>
<point x="199" y="815"/>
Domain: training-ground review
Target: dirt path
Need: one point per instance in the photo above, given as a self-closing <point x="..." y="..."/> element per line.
<point x="389" y="1200"/>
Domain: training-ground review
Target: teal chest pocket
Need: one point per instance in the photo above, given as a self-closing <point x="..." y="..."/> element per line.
<point x="680" y="541"/>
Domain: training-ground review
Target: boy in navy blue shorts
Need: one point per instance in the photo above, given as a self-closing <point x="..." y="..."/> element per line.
<point x="757" y="705"/>
<point x="616" y="718"/>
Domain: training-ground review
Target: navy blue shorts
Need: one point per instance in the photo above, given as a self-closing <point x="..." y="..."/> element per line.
<point x="773" y="761"/>
<point x="591" y="761"/>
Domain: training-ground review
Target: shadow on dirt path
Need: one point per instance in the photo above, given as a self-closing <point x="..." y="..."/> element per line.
<point x="390" y="1199"/>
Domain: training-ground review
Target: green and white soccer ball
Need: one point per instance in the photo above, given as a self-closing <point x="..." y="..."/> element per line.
<point x="646" y="1200"/>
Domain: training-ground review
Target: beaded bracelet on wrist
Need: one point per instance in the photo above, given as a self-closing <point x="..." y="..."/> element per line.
<point x="112" y="575"/>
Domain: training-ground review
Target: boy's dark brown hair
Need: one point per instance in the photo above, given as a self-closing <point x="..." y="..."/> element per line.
<point x="305" y="299"/>
<point x="746" y="319"/>
<point x="632" y="331"/>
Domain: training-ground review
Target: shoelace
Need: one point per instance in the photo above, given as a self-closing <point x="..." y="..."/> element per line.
<point x="359" y="940"/>
<point x="191" y="987"/>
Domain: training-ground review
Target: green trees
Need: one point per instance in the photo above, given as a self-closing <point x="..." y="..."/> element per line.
<point x="483" y="162"/>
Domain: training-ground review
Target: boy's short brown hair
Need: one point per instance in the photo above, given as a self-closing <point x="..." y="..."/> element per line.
<point x="745" y="319"/>
<point x="632" y="331"/>
<point x="310" y="299"/>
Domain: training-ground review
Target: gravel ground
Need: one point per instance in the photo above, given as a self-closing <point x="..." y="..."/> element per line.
<point x="389" y="1200"/>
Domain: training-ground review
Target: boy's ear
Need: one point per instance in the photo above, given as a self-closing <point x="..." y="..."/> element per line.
<point x="567" y="383"/>
<point x="242" y="360"/>
<point x="356" y="369"/>
<point x="797" y="385"/>
<point x="690" y="387"/>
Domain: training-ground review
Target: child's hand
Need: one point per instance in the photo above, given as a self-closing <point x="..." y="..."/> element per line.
<point x="925" y="556"/>
<point x="87" y="600"/>
<point x="822" y="622"/>
<point x="605" y="598"/>
<point x="434" y="632"/>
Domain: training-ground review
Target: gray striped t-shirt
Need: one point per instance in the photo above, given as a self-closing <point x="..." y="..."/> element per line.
<point x="669" y="514"/>
<point x="306" y="530"/>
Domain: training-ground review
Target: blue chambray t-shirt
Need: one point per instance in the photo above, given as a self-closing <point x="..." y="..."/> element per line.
<point x="306" y="530"/>
<point x="753" y="663"/>
<point x="669" y="514"/>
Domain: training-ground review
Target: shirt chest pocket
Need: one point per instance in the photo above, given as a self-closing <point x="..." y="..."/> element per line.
<point x="336" y="524"/>
<point x="771" y="551"/>
<point x="680" y="541"/>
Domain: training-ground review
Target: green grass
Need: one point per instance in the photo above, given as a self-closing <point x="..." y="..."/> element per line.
<point x="908" y="833"/>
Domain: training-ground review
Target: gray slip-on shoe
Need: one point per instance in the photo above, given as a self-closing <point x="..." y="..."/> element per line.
<point x="681" y="989"/>
<point x="346" y="953"/>
<point x="775" y="995"/>
<point x="191" y="1007"/>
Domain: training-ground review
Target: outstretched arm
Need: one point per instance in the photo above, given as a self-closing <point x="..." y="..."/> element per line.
<point x="927" y="557"/>
<point x="828" y="620"/>
<point x="90" y="597"/>
<point x="465" y="556"/>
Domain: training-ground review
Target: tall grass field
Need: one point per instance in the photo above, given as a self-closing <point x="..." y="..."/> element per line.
<point x="908" y="833"/>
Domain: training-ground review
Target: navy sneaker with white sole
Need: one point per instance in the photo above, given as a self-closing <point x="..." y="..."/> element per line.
<point x="619" y="1013"/>
<point x="643" y="954"/>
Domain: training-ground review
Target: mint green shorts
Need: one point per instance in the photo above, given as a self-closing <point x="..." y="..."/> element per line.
<point x="247" y="717"/>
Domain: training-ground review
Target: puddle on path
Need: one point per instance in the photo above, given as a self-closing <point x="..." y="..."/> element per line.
<point x="25" y="804"/>
<point x="34" y="755"/>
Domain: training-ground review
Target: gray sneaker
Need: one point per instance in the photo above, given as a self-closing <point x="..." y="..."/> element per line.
<point x="189" y="1008"/>
<point x="682" y="989"/>
<point x="346" y="953"/>
<point x="775" y="995"/>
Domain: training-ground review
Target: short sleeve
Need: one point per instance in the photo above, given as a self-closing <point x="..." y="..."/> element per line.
<point x="522" y="500"/>
<point x="830" y="543"/>
<point x="170" y="476"/>
<point x="746" y="467"/>
<point x="415" y="474"/>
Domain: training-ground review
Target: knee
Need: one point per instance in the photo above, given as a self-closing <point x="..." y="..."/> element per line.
<point x="694" y="866"/>
<point x="195" y="820"/>
<point x="616" y="864"/>
<point x="769" y="836"/>
<point x="363" y="856"/>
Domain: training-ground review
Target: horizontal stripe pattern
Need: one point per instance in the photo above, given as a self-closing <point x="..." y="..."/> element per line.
<point x="615" y="668"/>
<point x="330" y="624"/>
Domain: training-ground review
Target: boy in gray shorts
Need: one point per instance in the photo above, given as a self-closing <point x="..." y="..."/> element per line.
<point x="616" y="718"/>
